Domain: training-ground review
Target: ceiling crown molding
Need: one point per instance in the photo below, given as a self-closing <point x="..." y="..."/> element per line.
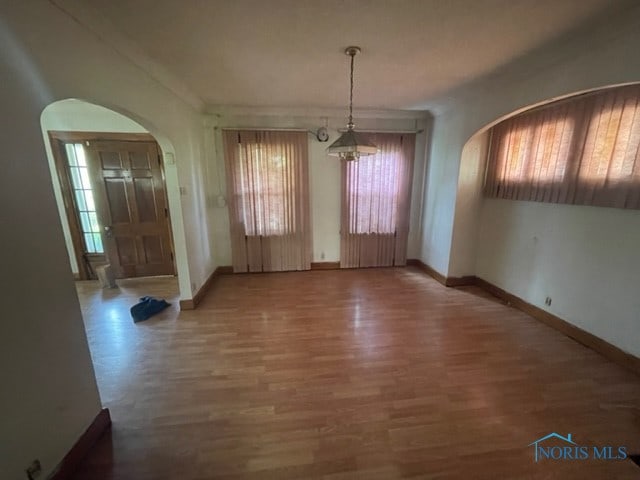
<point x="306" y="112"/>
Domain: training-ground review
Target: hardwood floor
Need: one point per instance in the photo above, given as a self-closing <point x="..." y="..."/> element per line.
<point x="379" y="373"/>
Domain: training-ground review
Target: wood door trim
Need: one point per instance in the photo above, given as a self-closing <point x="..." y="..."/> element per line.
<point x="103" y="136"/>
<point x="56" y="140"/>
<point x="62" y="171"/>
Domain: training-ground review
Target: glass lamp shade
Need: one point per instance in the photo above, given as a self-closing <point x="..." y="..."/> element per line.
<point x="352" y="145"/>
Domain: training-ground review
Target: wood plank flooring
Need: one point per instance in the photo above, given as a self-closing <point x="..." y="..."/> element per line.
<point x="359" y="374"/>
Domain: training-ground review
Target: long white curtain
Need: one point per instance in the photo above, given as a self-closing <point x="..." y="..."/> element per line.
<point x="268" y="190"/>
<point x="376" y="199"/>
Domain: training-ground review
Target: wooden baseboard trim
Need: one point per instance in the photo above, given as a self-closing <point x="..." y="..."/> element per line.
<point x="83" y="445"/>
<point x="325" y="265"/>
<point x="415" y="262"/>
<point x="192" y="303"/>
<point x="446" y="281"/>
<point x="587" y="339"/>
<point x="465" y="281"/>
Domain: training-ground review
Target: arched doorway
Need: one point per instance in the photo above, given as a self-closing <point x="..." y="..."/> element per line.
<point x="109" y="182"/>
<point x="87" y="144"/>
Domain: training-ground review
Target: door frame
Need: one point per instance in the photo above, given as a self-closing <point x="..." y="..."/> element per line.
<point x="57" y="138"/>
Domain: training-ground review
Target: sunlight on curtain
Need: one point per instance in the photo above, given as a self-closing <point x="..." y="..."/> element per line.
<point x="267" y="179"/>
<point x="376" y="196"/>
<point x="583" y="150"/>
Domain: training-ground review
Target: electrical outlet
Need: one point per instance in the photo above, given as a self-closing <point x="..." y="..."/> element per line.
<point x="547" y="301"/>
<point x="34" y="470"/>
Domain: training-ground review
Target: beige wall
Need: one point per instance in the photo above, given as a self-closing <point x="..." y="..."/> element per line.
<point x="324" y="171"/>
<point x="468" y="205"/>
<point x="585" y="258"/>
<point x="49" y="393"/>
<point x="92" y="71"/>
<point x="582" y="257"/>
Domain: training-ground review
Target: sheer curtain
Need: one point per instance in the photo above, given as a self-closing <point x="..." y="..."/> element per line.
<point x="267" y="185"/>
<point x="584" y="150"/>
<point x="376" y="198"/>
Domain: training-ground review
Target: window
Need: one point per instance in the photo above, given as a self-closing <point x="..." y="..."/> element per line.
<point x="263" y="190"/>
<point x="584" y="150"/>
<point x="374" y="187"/>
<point x="83" y="198"/>
<point x="267" y="184"/>
<point x="375" y="203"/>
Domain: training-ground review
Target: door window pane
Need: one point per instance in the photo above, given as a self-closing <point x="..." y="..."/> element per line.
<point x="84" y="174"/>
<point x="88" y="240"/>
<point x="82" y="205"/>
<point x="83" y="195"/>
<point x="84" y="222"/>
<point x="93" y="220"/>
<point x="71" y="155"/>
<point x="97" y="240"/>
<point x="88" y="195"/>
<point x="79" y="151"/>
<point x="75" y="178"/>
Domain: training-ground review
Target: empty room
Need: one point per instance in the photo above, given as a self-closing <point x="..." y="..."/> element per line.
<point x="292" y="239"/>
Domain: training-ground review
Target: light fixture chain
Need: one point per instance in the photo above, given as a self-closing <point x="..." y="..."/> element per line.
<point x="351" y="145"/>
<point x="350" y="125"/>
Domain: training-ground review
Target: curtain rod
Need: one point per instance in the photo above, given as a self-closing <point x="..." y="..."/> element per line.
<point x="342" y="130"/>
<point x="256" y="129"/>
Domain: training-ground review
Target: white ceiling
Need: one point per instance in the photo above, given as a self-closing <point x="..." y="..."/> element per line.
<point x="289" y="53"/>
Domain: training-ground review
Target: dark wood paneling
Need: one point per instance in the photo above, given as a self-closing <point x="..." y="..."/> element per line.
<point x="127" y="254"/>
<point x="145" y="199"/>
<point x="153" y="251"/>
<point x="110" y="160"/>
<point x="117" y="199"/>
<point x="131" y="203"/>
<point x="140" y="160"/>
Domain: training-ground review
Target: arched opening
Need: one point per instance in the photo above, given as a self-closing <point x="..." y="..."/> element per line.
<point x="112" y="190"/>
<point x="110" y="171"/>
<point x="470" y="203"/>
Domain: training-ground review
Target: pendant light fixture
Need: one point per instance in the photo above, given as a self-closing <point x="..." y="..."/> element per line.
<point x="351" y="145"/>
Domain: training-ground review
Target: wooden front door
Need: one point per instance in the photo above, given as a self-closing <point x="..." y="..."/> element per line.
<point x="131" y="205"/>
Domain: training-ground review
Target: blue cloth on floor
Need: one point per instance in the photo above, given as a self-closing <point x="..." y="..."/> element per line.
<point x="147" y="308"/>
